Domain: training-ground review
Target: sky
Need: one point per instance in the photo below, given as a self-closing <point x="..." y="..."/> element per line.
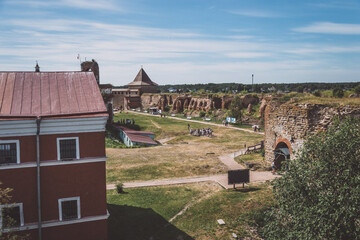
<point x="186" y="41"/>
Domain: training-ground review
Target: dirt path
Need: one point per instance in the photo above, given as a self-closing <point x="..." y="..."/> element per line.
<point x="155" y="124"/>
<point x="208" y="123"/>
<point x="164" y="140"/>
<point x="193" y="202"/>
<point x="221" y="179"/>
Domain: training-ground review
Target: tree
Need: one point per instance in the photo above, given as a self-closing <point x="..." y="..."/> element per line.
<point x="338" y="92"/>
<point x="5" y="198"/>
<point x="235" y="108"/>
<point x="357" y="89"/>
<point x="318" y="197"/>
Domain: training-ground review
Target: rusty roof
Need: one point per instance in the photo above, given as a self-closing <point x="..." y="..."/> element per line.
<point x="141" y="139"/>
<point x="128" y="130"/>
<point x="49" y="94"/>
<point x="142" y="79"/>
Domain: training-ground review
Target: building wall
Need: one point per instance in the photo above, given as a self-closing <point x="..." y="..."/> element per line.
<point x="118" y="100"/>
<point x="293" y="123"/>
<point x="95" y="230"/>
<point x="84" y="178"/>
<point x="90" y="145"/>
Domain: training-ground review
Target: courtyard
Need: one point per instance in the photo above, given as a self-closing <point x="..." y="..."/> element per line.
<point x="186" y="211"/>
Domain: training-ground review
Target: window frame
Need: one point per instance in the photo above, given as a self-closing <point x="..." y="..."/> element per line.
<point x="69" y="199"/>
<point x="67" y="138"/>
<point x="20" y="205"/>
<point x="17" y="142"/>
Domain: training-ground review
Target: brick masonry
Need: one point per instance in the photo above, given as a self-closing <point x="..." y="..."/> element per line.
<point x="292" y="123"/>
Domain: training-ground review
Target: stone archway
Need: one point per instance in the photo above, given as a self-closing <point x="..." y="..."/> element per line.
<point x="282" y="152"/>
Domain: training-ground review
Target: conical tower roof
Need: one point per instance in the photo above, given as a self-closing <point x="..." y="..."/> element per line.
<point x="142" y="79"/>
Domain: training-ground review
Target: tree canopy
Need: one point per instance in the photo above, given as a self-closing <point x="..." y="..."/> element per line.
<point x="235" y="108"/>
<point x="318" y="196"/>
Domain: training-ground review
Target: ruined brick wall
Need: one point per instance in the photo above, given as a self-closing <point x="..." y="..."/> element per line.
<point x="292" y="123"/>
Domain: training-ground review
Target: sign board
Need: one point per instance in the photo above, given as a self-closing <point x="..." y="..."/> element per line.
<point x="238" y="176"/>
<point x="231" y="120"/>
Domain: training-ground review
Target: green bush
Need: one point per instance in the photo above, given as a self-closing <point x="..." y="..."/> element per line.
<point x="318" y="196"/>
<point x="167" y="108"/>
<point x="357" y="89"/>
<point x="317" y="93"/>
<point x="338" y="92"/>
<point x="202" y="114"/>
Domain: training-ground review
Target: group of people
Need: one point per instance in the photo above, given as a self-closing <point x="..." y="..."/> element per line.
<point x="126" y="122"/>
<point x="201" y="132"/>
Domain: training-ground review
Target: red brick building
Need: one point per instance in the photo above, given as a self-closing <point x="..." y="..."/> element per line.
<point x="52" y="154"/>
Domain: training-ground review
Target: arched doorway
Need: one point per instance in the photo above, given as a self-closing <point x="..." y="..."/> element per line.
<point x="281" y="153"/>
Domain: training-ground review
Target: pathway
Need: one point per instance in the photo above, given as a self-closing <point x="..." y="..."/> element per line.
<point x="255" y="177"/>
<point x="196" y="121"/>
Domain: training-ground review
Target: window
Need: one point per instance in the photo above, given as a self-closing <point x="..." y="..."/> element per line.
<point x="69" y="208"/>
<point x="68" y="148"/>
<point x="9" y="151"/>
<point x="11" y="215"/>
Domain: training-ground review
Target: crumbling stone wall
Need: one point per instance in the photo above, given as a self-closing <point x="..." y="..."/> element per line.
<point x="292" y="123"/>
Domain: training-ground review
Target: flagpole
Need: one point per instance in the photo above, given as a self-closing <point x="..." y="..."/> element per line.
<point x="79" y="57"/>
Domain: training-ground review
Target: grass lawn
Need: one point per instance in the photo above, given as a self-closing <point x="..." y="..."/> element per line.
<point x="184" y="155"/>
<point x="142" y="213"/>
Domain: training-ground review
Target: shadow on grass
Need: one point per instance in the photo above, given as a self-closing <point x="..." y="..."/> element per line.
<point x="245" y="190"/>
<point x="133" y="223"/>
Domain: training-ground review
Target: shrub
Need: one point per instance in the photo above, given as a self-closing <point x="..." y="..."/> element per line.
<point x="120" y="188"/>
<point x="338" y="92"/>
<point x="317" y="93"/>
<point x="318" y="196"/>
<point x="167" y="108"/>
<point x="357" y="89"/>
<point x="202" y="114"/>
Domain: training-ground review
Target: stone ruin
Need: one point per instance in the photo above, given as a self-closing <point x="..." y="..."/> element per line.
<point x="93" y="66"/>
<point x="188" y="102"/>
<point x="288" y="125"/>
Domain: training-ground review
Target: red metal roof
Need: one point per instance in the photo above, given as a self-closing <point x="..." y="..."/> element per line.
<point x="141" y="138"/>
<point x="32" y="94"/>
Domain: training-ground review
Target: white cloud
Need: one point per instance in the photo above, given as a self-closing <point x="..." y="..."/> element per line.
<point x="247" y="54"/>
<point x="108" y="5"/>
<point x="330" y="28"/>
<point x="254" y="13"/>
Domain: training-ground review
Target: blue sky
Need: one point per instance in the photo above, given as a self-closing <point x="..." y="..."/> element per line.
<point x="197" y="41"/>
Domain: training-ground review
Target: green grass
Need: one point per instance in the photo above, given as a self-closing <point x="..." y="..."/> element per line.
<point x="142" y="213"/>
<point x="239" y="210"/>
<point x="185" y="155"/>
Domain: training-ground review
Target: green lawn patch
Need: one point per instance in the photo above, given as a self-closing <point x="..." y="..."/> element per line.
<point x="142" y="213"/>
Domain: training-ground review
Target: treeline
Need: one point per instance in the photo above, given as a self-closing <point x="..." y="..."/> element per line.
<point x="258" y="88"/>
